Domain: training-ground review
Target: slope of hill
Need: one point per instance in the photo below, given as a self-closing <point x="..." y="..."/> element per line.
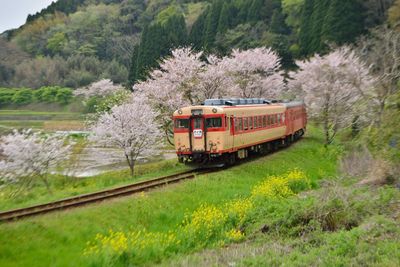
<point x="80" y="41"/>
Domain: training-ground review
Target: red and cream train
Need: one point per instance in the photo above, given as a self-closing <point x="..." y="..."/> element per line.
<point x="224" y="130"/>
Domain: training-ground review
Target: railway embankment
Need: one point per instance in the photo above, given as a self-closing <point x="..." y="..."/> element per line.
<point x="291" y="207"/>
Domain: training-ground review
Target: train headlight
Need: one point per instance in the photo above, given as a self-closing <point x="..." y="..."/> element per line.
<point x="180" y="112"/>
<point x="214" y="110"/>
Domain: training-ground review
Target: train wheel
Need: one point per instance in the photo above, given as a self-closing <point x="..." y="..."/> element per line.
<point x="231" y="159"/>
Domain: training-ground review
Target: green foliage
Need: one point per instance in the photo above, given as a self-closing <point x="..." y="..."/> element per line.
<point x="344" y="21"/>
<point x="23" y="96"/>
<point x="167" y="32"/>
<point x="57" y="42"/>
<point x="336" y="21"/>
<point x="50" y="94"/>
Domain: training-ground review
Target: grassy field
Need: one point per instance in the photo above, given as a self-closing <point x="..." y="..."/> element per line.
<point x="40" y="120"/>
<point x="63" y="186"/>
<point x="60" y="239"/>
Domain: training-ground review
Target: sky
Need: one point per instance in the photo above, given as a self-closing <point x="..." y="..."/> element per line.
<point x="13" y="13"/>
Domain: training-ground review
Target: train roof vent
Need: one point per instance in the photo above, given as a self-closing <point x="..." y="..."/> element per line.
<point x="236" y="101"/>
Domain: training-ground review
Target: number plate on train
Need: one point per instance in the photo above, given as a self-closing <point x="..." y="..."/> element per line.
<point x="198" y="133"/>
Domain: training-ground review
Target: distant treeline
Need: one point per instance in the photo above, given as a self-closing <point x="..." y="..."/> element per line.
<point x="73" y="43"/>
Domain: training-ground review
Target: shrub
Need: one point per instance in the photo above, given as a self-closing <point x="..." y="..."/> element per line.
<point x="23" y="96"/>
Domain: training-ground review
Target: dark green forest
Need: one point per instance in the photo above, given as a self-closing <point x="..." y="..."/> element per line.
<point x="72" y="43"/>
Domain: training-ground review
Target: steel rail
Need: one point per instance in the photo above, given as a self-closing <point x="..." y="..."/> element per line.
<point x="81" y="200"/>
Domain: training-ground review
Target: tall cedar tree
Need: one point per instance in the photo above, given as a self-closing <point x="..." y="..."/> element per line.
<point x="243" y="11"/>
<point x="305" y="36"/>
<point x="254" y="13"/>
<point x="318" y="18"/>
<point x="157" y="41"/>
<point x="344" y="21"/>
<point x="278" y="24"/>
<point x="134" y="67"/>
<point x="212" y="24"/>
<point x="196" y="37"/>
<point x="225" y="18"/>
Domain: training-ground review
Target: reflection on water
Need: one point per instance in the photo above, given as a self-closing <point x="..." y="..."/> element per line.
<point x="94" y="160"/>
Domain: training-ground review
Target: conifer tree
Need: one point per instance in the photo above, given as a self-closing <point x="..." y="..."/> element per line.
<point x="278" y="24"/>
<point x="344" y="21"/>
<point x="133" y="67"/>
<point x="196" y="37"/>
<point x="224" y="18"/>
<point x="212" y="24"/>
<point x="254" y="13"/>
<point x="305" y="36"/>
<point x="318" y="18"/>
<point x="243" y="10"/>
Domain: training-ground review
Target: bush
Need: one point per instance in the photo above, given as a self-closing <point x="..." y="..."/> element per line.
<point x="23" y="96"/>
<point x="48" y="94"/>
<point x="64" y="96"/>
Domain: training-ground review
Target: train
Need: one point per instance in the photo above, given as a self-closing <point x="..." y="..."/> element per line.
<point x="223" y="131"/>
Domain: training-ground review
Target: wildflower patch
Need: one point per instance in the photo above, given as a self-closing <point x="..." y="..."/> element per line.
<point x="207" y="226"/>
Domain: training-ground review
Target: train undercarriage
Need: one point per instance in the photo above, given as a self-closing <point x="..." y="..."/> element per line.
<point x="230" y="158"/>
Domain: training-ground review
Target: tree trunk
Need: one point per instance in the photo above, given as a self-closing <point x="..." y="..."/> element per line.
<point x="131" y="164"/>
<point x="168" y="138"/>
<point x="44" y="179"/>
<point x="326" y="124"/>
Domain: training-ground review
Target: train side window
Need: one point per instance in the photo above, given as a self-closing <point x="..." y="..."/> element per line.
<point x="260" y="122"/>
<point x="182" y="123"/>
<point x="213" y="122"/>
<point x="283" y="118"/>
<point x="264" y="118"/>
<point x="245" y="124"/>
<point x="279" y="119"/>
<point x="250" y="123"/>
<point x="240" y="124"/>
<point x="269" y="120"/>
<point x="255" y="123"/>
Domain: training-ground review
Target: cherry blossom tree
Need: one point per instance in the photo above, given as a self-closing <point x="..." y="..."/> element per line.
<point x="31" y="156"/>
<point x="331" y="87"/>
<point x="381" y="49"/>
<point x="254" y="72"/>
<point x="102" y="88"/>
<point x="183" y="79"/>
<point x="130" y="127"/>
<point x="170" y="87"/>
<point x="213" y="81"/>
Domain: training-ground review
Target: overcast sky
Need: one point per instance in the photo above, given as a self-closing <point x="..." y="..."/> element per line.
<point x="13" y="13"/>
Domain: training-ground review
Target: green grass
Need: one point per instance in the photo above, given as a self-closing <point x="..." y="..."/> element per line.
<point x="40" y="120"/>
<point x="63" y="186"/>
<point x="59" y="239"/>
<point x="340" y="224"/>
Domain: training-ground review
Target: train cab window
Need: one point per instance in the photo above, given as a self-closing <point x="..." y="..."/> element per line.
<point x="182" y="123"/>
<point x="283" y="118"/>
<point x="197" y="123"/>
<point x="251" y="123"/>
<point x="213" y="122"/>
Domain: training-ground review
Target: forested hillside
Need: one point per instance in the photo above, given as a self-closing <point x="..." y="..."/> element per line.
<point x="73" y="43"/>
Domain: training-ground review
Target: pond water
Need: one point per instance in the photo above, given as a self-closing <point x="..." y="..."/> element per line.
<point x="94" y="160"/>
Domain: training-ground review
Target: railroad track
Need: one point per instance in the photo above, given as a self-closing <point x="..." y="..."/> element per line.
<point x="85" y="199"/>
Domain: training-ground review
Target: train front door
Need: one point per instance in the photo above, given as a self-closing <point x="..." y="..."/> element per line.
<point x="198" y="134"/>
